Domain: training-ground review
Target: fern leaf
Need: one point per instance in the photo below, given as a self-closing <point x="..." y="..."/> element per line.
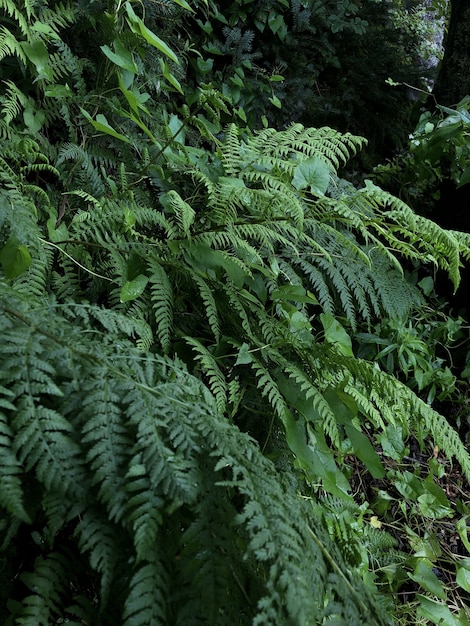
<point x="162" y="303"/>
<point x="48" y="582"/>
<point x="148" y="596"/>
<point x="11" y="492"/>
<point x="109" y="443"/>
<point x="210" y="368"/>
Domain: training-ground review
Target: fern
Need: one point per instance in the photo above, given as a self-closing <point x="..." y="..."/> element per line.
<point x="162" y="302"/>
<point x="130" y="491"/>
<point x="151" y="442"/>
<point x="216" y="379"/>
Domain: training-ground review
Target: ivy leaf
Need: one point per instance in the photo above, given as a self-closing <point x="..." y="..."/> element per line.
<point x="132" y="289"/>
<point x="313" y="173"/>
<point x="14" y="258"/>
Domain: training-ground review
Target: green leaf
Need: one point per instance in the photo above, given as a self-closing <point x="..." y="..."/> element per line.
<point x="427" y="285"/>
<point x="34" y="118"/>
<point x="462" y="529"/>
<point x="464" y="178"/>
<point x="101" y="124"/>
<point x="244" y="356"/>
<point x="336" y="335"/>
<point x="364" y="451"/>
<point x="463" y="574"/>
<point x="14" y="258"/>
<point x="38" y="55"/>
<point x="132" y="289"/>
<point x="423" y="575"/>
<point x="137" y="26"/>
<point x="121" y="57"/>
<point x="345" y="410"/>
<point x="295" y="293"/>
<point x="392" y="442"/>
<point x="437" y="612"/>
<point x="313" y="173"/>
<point x="174" y="82"/>
<point x="185" y="5"/>
<point x="274" y="100"/>
<point x="314" y="456"/>
<point x="276" y="22"/>
<point x="58" y="91"/>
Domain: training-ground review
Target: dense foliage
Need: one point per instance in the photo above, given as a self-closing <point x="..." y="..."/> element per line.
<point x="220" y="362"/>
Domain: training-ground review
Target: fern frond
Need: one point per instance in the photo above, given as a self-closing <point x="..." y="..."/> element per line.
<point x="146" y="603"/>
<point x="162" y="303"/>
<point x="315" y="407"/>
<point x="48" y="582"/>
<point x="11" y="492"/>
<point x="216" y="379"/>
<point x="109" y="443"/>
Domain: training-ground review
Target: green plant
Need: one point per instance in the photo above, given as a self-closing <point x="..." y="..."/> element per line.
<point x="184" y="419"/>
<point x="438" y="152"/>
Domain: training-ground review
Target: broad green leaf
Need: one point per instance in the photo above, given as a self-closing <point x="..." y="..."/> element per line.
<point x="38" y="55"/>
<point x="463" y="574"/>
<point x="101" y="124"/>
<point x="56" y="234"/>
<point x="437" y="612"/>
<point x="58" y="91"/>
<point x="392" y="442"/>
<point x="423" y="575"/>
<point x="298" y="399"/>
<point x="314" y="174"/>
<point x="462" y="529"/>
<point x="132" y="289"/>
<point x="465" y="178"/>
<point x="174" y="82"/>
<point x="336" y="335"/>
<point x="314" y="456"/>
<point x="345" y="410"/>
<point x="276" y="22"/>
<point x="185" y="5"/>
<point x="135" y="99"/>
<point x="137" y="26"/>
<point x="14" y="258"/>
<point x="295" y="293"/>
<point x="364" y="451"/>
<point x="427" y="285"/>
<point x="34" y="118"/>
<point x="244" y="356"/>
<point x="274" y="100"/>
<point x="121" y="57"/>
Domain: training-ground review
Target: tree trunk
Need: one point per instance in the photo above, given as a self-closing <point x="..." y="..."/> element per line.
<point x="453" y="80"/>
